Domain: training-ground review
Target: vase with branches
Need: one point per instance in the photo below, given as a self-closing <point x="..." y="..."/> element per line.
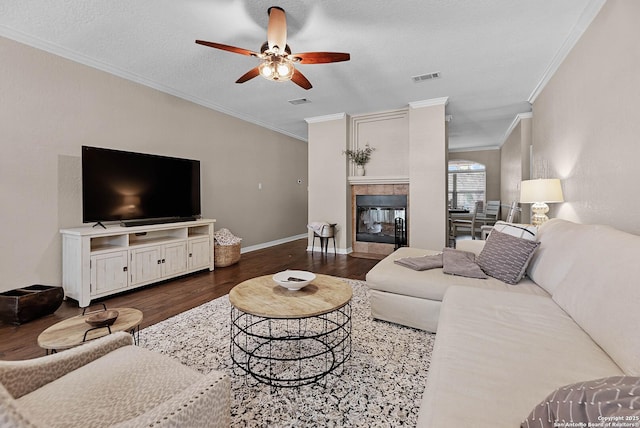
<point x="360" y="157"/>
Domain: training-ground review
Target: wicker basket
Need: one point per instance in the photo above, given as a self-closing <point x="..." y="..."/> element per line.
<point x="226" y="255"/>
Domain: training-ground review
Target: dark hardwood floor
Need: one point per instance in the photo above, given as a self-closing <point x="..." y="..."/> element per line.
<point x="161" y="301"/>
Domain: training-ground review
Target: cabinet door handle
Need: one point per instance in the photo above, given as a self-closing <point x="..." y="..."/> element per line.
<point x="159" y="261"/>
<point x="124" y="269"/>
<point x="190" y="255"/>
<point x="162" y="260"/>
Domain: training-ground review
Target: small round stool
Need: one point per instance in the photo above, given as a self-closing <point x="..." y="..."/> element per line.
<point x="327" y="232"/>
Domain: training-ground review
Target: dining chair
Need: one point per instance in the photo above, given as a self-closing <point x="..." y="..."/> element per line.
<point x="458" y="225"/>
<point x="513" y="210"/>
<point x="490" y="215"/>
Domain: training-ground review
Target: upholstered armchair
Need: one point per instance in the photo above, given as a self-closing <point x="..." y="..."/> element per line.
<point x="111" y="382"/>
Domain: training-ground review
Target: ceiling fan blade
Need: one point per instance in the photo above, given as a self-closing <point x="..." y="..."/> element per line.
<point x="249" y="75"/>
<point x="320" y="57"/>
<point x="277" y="29"/>
<point x="299" y="79"/>
<point x="233" y="49"/>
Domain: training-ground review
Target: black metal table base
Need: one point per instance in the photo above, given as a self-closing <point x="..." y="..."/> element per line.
<point x="324" y="243"/>
<point x="135" y="332"/>
<point x="289" y="353"/>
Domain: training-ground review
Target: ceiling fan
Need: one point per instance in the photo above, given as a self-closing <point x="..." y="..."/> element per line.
<point x="277" y="60"/>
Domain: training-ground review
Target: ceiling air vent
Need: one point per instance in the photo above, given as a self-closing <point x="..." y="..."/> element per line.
<point x="428" y="76"/>
<point x="299" y="101"/>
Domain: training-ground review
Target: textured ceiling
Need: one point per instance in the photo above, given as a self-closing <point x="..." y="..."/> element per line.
<point x="492" y="54"/>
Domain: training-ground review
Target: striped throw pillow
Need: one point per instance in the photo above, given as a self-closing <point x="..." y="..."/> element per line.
<point x="607" y="402"/>
<point x="505" y="257"/>
<point x="519" y="230"/>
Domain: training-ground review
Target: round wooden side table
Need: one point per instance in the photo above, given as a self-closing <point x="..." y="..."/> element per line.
<point x="75" y="331"/>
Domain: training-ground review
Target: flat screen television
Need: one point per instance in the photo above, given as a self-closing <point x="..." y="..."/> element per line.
<point x="138" y="188"/>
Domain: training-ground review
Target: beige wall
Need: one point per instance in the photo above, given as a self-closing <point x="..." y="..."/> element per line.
<point x="491" y="160"/>
<point x="388" y="133"/>
<point x="50" y="107"/>
<point x="428" y="147"/>
<point x="329" y="198"/>
<point x="585" y="122"/>
<point x="514" y="166"/>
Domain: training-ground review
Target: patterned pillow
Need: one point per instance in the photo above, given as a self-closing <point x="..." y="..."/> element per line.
<point x="506" y="257"/>
<point x="610" y="401"/>
<point x="519" y="230"/>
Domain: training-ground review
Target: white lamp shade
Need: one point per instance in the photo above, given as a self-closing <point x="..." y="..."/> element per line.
<point x="541" y="190"/>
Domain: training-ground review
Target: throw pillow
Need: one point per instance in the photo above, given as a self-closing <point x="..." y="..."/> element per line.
<point x="506" y="257"/>
<point x="525" y="231"/>
<point x="461" y="263"/>
<point x="611" y="401"/>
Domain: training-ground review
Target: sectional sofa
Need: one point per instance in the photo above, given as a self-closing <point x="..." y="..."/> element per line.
<point x="507" y="355"/>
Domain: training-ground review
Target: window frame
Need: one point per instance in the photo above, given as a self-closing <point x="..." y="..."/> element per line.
<point x="464" y="167"/>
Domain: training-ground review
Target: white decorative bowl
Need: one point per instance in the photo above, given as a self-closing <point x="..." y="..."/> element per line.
<point x="293" y="279"/>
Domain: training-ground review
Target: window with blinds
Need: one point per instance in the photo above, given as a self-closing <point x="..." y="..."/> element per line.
<point x="467" y="184"/>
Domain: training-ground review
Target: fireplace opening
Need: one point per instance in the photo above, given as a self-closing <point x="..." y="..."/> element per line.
<point x="381" y="218"/>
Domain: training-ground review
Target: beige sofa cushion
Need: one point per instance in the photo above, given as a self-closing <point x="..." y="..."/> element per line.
<point x="431" y="284"/>
<point x="499" y="354"/>
<point x="474" y="246"/>
<point x="601" y="292"/>
<point x="108" y="390"/>
<point x="560" y="248"/>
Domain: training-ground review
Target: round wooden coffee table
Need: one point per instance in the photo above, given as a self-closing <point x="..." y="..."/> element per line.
<point x="74" y="331"/>
<point x="287" y="338"/>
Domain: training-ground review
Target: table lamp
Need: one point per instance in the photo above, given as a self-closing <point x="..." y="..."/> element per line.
<point x="539" y="192"/>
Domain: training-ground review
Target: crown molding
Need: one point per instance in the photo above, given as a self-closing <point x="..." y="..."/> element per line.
<point x="326" y="118"/>
<point x="588" y="15"/>
<point x="516" y="120"/>
<point x="379" y="115"/>
<point x="429" y="103"/>
<point x="473" y="149"/>
<point x="57" y="50"/>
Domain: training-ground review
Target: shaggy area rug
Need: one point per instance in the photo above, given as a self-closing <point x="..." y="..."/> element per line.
<point x="381" y="384"/>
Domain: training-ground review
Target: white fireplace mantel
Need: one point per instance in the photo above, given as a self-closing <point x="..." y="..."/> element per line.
<point x="388" y="179"/>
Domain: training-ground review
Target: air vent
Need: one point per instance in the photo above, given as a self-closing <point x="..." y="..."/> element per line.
<point x="299" y="101"/>
<point x="428" y="76"/>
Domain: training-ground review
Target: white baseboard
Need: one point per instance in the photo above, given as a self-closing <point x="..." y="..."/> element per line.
<point x="330" y="251"/>
<point x="272" y="243"/>
<point x="289" y="239"/>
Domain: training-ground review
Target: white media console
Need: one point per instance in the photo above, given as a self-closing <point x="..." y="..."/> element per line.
<point x="98" y="262"/>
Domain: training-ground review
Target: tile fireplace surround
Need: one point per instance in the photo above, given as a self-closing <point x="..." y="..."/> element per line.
<point x="374" y="189"/>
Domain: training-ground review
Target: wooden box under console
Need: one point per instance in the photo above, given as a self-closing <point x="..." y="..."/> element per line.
<point x="25" y="304"/>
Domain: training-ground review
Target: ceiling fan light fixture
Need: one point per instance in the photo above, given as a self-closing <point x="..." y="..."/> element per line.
<point x="284" y="70"/>
<point x="277" y="63"/>
<point x="266" y="69"/>
<point x="275" y="68"/>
